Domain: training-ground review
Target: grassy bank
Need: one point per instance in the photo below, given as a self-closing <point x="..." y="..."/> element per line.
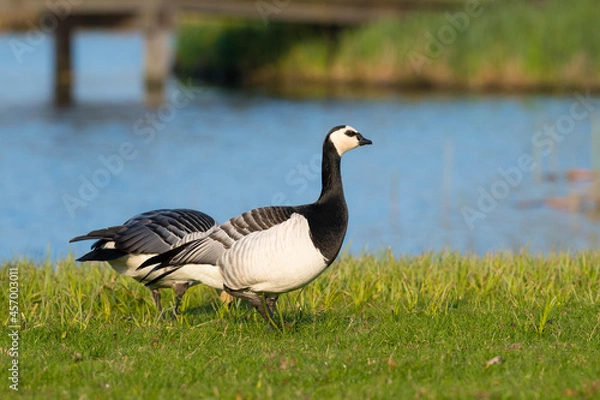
<point x="549" y="45"/>
<point x="429" y="326"/>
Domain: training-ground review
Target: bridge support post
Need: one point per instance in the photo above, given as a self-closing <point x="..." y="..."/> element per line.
<point x="157" y="65"/>
<point x="158" y="56"/>
<point x="63" y="75"/>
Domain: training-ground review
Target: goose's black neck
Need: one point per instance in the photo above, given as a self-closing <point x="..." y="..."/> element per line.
<point x="331" y="176"/>
<point x="328" y="216"/>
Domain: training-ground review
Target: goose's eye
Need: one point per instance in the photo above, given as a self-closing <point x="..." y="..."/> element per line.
<point x="350" y="133"/>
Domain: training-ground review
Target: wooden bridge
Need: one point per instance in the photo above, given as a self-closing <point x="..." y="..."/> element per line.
<point x="156" y="18"/>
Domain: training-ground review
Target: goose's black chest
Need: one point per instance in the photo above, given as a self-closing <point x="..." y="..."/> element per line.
<point x="328" y="222"/>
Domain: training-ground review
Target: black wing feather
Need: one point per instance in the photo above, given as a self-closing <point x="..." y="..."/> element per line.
<point x="102" y="255"/>
<point x="105" y="234"/>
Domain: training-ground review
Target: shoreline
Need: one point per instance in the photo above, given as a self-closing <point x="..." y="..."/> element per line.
<point x="305" y="88"/>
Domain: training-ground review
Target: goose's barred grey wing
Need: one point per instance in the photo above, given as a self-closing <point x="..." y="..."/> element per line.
<point x="256" y="220"/>
<point x="151" y="232"/>
<point x="157" y="231"/>
<point x="208" y="249"/>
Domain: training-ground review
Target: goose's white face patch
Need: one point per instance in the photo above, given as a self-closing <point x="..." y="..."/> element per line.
<point x="344" y="139"/>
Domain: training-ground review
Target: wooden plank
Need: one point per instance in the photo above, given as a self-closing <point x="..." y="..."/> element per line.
<point x="311" y="11"/>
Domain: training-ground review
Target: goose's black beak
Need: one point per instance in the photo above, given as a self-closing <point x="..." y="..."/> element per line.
<point x="363" y="140"/>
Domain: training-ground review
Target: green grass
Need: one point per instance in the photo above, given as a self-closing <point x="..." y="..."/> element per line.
<point x="512" y="45"/>
<point x="372" y="326"/>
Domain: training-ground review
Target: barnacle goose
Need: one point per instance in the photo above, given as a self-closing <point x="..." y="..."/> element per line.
<point x="272" y="250"/>
<point x="127" y="246"/>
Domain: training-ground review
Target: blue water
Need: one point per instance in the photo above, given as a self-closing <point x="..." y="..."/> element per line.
<point x="66" y="172"/>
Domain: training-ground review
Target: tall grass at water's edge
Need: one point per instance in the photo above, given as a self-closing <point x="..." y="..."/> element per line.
<point x="437" y="325"/>
<point x="512" y="45"/>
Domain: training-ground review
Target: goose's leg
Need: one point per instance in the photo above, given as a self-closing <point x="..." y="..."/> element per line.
<point x="272" y="304"/>
<point x="156" y="297"/>
<point x="258" y="302"/>
<point x="180" y="289"/>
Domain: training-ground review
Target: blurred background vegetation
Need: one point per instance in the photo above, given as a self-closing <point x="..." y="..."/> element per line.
<point x="521" y="45"/>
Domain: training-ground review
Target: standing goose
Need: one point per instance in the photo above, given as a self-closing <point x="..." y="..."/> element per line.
<point x="272" y="250"/>
<point x="126" y="247"/>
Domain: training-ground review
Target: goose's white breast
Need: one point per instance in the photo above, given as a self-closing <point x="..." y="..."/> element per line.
<point x="277" y="260"/>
